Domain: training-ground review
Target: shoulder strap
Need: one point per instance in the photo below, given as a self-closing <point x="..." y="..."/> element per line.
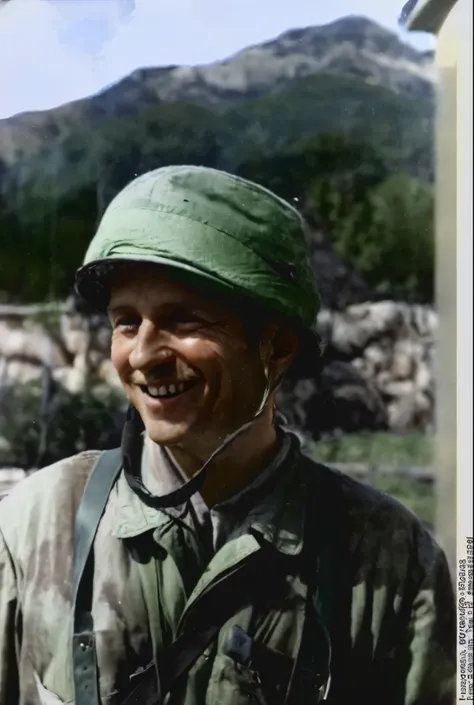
<point x="89" y="514"/>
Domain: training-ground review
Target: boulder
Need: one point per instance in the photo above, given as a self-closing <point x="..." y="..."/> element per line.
<point x="354" y="329"/>
<point x="21" y="372"/>
<point x="341" y="399"/>
<point x="411" y="411"/>
<point x="30" y="342"/>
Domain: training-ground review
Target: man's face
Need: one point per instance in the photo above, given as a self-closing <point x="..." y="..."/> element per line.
<point x="184" y="361"/>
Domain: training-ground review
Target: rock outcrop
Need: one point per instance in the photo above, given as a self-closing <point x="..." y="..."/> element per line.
<point x="378" y="373"/>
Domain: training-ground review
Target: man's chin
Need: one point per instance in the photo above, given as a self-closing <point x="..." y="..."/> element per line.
<point x="166" y="434"/>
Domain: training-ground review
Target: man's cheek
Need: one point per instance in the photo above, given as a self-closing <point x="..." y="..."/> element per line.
<point x="118" y="358"/>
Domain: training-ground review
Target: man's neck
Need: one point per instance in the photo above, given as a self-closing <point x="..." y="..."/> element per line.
<point x="236" y="466"/>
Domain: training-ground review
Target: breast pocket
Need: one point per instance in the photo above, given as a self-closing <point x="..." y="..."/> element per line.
<point x="249" y="672"/>
<point x="233" y="684"/>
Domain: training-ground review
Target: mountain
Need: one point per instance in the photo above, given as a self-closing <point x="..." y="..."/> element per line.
<point x="351" y="48"/>
<point x="337" y="119"/>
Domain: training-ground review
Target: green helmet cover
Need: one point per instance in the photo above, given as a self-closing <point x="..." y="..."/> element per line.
<point x="213" y="228"/>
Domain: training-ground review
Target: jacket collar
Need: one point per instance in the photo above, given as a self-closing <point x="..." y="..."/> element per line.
<point x="277" y="518"/>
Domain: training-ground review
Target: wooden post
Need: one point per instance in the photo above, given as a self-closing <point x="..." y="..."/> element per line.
<point x="445" y="19"/>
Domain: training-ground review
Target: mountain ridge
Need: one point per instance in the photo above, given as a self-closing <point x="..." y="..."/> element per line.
<point x="351" y="46"/>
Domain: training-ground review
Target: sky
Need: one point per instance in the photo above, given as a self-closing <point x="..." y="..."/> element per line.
<point x="55" y="51"/>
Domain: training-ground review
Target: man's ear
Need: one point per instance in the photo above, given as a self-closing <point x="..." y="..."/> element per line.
<point x="278" y="348"/>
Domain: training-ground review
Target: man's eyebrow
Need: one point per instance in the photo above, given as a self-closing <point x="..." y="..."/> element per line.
<point x="167" y="308"/>
<point x="114" y="310"/>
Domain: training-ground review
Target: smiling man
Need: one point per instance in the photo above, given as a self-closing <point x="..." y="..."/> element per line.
<point x="208" y="561"/>
<point x="194" y="373"/>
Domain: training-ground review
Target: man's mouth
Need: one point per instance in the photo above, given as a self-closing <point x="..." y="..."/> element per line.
<point x="167" y="391"/>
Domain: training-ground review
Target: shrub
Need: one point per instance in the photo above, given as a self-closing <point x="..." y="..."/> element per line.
<point x="35" y="434"/>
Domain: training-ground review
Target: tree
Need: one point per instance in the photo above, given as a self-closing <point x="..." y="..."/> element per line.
<point x="390" y="239"/>
<point x="380" y="224"/>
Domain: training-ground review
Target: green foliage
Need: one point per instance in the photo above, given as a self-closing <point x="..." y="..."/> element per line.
<point x="398" y="127"/>
<point x="388" y="237"/>
<point x="163" y="135"/>
<point x="43" y="239"/>
<point x="328" y="174"/>
<point x="32" y="437"/>
<point x="398" y="450"/>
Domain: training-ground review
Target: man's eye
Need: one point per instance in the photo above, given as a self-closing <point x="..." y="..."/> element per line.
<point x="126" y="323"/>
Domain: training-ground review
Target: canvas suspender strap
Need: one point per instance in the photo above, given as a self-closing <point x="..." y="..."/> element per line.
<point x="88" y="516"/>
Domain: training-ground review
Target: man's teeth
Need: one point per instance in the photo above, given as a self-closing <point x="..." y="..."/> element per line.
<point x="166" y="390"/>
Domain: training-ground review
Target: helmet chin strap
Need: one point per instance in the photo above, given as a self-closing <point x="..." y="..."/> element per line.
<point x="132" y="447"/>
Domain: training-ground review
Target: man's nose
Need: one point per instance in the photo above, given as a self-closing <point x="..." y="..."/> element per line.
<point x="150" y="347"/>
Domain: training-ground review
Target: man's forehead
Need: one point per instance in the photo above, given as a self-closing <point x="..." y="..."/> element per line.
<point x="136" y="277"/>
<point x="153" y="284"/>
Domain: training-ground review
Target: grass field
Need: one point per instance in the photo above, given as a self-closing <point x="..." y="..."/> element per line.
<point x="404" y="451"/>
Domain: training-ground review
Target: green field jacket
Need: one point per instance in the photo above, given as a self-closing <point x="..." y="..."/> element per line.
<point x="389" y="600"/>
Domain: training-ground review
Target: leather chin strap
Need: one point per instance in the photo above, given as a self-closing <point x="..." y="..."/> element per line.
<point x="132" y="448"/>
